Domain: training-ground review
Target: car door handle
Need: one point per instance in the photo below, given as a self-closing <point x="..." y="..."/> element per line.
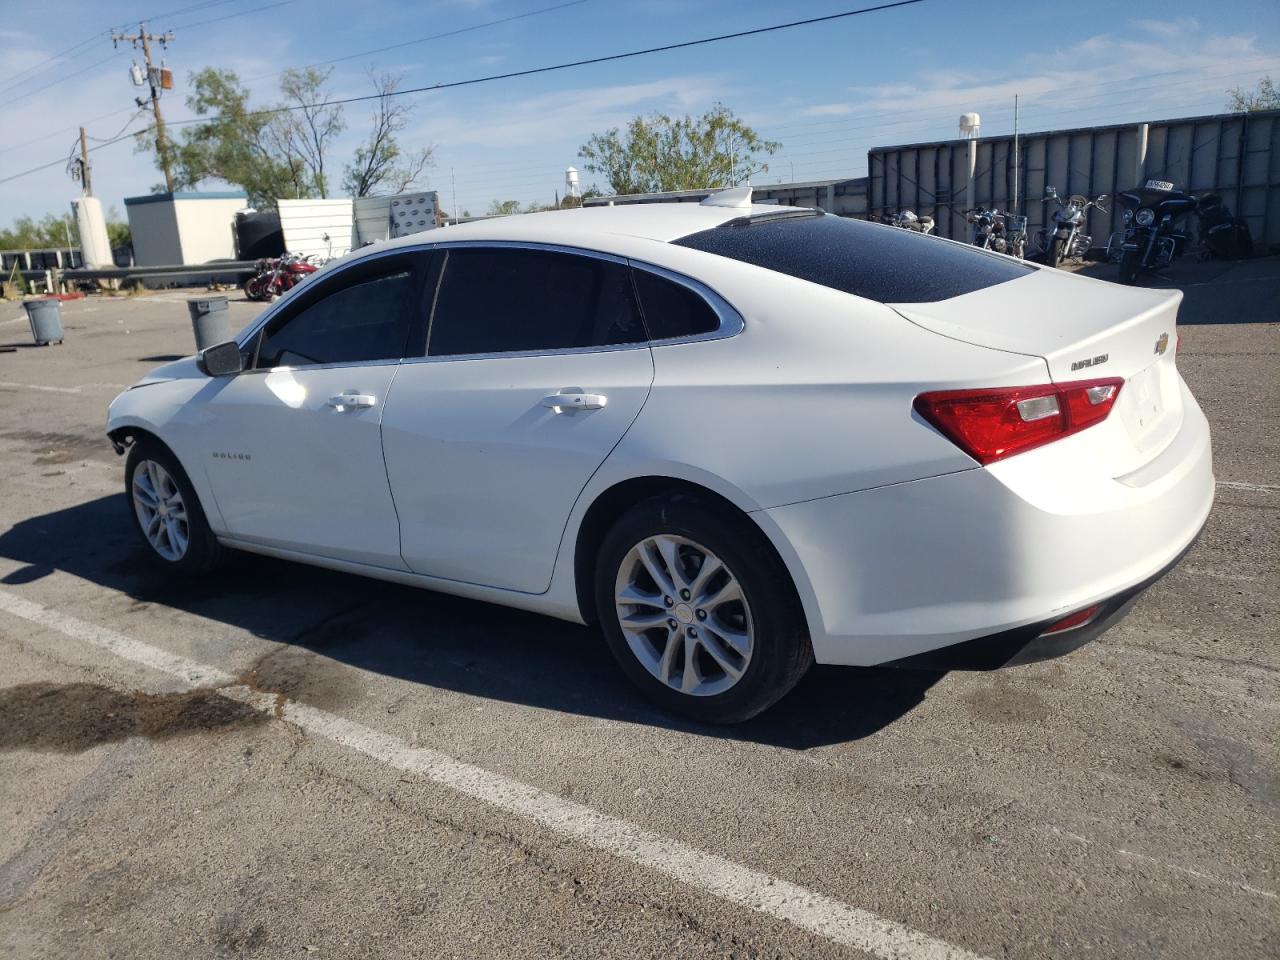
<point x="350" y="401"/>
<point x="575" y="401"/>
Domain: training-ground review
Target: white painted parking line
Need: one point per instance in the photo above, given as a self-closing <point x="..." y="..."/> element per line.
<point x="1257" y="487"/>
<point x="812" y="911"/>
<point x="10" y="385"/>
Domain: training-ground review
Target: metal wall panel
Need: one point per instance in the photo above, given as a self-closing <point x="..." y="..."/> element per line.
<point x="1234" y="155"/>
<point x="321" y="228"/>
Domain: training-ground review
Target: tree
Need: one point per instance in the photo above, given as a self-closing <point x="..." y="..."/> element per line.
<point x="27" y="233"/>
<point x="119" y="233"/>
<point x="659" y="153"/>
<point x="236" y="144"/>
<point x="307" y="128"/>
<point x="379" y="165"/>
<point x="503" y="208"/>
<point x="1263" y="97"/>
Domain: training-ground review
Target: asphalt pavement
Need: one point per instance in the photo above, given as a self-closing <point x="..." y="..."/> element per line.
<point x="286" y="761"/>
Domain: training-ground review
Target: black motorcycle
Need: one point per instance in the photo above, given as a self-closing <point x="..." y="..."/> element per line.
<point x="1153" y="236"/>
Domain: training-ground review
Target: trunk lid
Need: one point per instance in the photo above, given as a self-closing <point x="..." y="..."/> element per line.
<point x="1083" y="329"/>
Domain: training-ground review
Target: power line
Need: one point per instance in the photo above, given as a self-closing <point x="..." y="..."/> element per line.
<point x="29" y="72"/>
<point x="54" y="163"/>
<point x="232" y="16"/>
<point x="62" y="79"/>
<point x="53" y="133"/>
<point x="434" y="36"/>
<point x="531" y="71"/>
<point x="686" y="44"/>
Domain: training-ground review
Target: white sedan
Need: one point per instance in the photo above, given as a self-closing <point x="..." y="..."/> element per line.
<point x="739" y="437"/>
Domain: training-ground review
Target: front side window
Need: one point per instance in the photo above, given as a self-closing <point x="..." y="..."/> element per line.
<point x="503" y="300"/>
<point x="362" y="321"/>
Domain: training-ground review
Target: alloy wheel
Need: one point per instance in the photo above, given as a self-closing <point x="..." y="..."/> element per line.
<point x="161" y="510"/>
<point x="684" y="615"/>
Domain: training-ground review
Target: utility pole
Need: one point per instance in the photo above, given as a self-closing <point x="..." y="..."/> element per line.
<point x="1015" y="153"/>
<point x="157" y="79"/>
<point x="86" y="181"/>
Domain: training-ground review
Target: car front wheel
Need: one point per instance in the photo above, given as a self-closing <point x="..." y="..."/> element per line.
<point x="166" y="511"/>
<point x="699" y="611"/>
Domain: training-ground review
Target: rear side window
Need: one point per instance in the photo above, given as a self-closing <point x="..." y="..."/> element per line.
<point x="671" y="309"/>
<point x="502" y="300"/>
<point x="359" y="322"/>
<point x="871" y="260"/>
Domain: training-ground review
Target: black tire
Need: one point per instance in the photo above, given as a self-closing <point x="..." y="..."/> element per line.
<point x="1055" y="251"/>
<point x="203" y="553"/>
<point x="1129" y="267"/>
<point x="781" y="651"/>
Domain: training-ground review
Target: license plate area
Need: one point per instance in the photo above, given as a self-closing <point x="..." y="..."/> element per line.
<point x="1144" y="406"/>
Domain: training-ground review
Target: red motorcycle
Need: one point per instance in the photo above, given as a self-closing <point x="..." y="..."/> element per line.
<point x="274" y="276"/>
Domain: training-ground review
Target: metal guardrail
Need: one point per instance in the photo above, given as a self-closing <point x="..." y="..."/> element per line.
<point x="237" y="269"/>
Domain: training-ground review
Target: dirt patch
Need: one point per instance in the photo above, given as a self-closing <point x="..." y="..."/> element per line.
<point x="53" y="448"/>
<point x="294" y="673"/>
<point x="71" y="717"/>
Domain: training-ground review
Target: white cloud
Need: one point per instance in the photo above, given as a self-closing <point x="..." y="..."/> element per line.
<point x="1164" y="70"/>
<point x="827" y="110"/>
<point x="1169" y="28"/>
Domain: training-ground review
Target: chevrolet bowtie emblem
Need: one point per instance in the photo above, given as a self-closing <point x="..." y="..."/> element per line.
<point x="1162" y="344"/>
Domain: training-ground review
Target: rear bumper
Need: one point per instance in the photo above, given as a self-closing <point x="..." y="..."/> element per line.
<point x="1032" y="643"/>
<point x="989" y="558"/>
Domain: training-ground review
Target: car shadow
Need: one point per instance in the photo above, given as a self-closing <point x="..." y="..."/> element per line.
<point x="433" y="639"/>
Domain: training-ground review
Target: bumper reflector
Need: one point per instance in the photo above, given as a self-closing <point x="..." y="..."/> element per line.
<point x="1078" y="619"/>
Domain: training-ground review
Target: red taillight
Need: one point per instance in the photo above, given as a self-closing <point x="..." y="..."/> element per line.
<point x="991" y="424"/>
<point x="1070" y="622"/>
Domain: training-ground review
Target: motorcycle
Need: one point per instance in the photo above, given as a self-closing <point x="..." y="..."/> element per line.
<point x="988" y="229"/>
<point x="1015" y="235"/>
<point x="275" y="275"/>
<point x="907" y="220"/>
<point x="1151" y="238"/>
<point x="1222" y="235"/>
<point x="1063" y="238"/>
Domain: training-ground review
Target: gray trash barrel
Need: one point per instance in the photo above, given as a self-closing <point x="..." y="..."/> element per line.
<point x="46" y="320"/>
<point x="209" y="321"/>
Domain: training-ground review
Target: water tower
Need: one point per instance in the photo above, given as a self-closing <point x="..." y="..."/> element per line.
<point x="970" y="125"/>
<point x="571" y="187"/>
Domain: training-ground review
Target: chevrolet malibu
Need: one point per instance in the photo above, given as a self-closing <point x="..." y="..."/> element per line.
<point x="741" y="438"/>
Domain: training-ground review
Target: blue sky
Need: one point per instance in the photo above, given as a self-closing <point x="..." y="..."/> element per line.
<point x="828" y="92"/>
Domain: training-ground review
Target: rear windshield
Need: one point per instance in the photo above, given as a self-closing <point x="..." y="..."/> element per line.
<point x="882" y="263"/>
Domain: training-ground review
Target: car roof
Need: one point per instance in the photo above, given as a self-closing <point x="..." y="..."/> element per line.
<point x="650" y="221"/>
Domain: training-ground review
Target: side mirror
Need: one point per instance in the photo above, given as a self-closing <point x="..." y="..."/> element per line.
<point x="1050" y="193"/>
<point x="221" y="360"/>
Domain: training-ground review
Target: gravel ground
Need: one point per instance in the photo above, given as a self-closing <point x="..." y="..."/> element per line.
<point x="1121" y="802"/>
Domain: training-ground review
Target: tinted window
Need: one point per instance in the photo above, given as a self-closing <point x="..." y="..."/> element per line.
<point x="672" y="309"/>
<point x="871" y="260"/>
<point x="502" y="300"/>
<point x="362" y="321"/>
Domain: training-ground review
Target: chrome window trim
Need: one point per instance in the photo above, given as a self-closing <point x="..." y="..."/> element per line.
<point x="731" y="322"/>
<point x="251" y="331"/>
<point x="307" y="367"/>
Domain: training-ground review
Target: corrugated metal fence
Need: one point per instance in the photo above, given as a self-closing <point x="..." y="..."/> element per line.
<point x="1234" y="155"/>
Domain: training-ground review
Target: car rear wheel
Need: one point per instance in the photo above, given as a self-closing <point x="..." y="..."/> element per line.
<point x="699" y="611"/>
<point x="167" y="513"/>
